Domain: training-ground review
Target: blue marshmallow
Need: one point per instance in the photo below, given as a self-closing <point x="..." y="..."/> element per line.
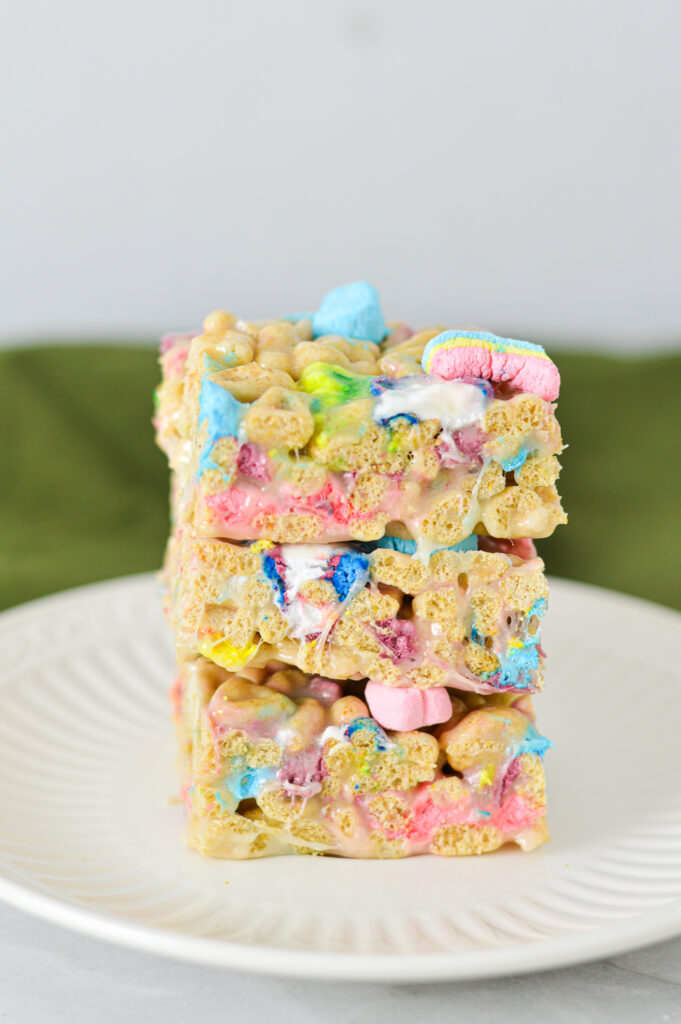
<point x="221" y="412"/>
<point x="352" y="310"/>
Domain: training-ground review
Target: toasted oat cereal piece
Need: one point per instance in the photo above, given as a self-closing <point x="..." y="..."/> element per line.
<point x="280" y="418"/>
<point x="523" y="512"/>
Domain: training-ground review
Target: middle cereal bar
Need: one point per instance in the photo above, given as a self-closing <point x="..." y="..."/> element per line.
<point x="466" y="619"/>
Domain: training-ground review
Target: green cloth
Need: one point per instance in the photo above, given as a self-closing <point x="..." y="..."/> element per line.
<point x="85" y="489"/>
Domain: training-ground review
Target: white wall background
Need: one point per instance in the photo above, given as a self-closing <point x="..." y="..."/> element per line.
<point x="512" y="164"/>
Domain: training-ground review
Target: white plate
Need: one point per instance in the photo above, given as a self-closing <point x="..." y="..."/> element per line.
<point x="90" y="837"/>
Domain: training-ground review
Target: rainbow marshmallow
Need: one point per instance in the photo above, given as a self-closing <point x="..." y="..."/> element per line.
<point x="526" y="367"/>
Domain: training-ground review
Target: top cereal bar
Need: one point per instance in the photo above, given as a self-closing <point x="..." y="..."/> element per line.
<point x="338" y="427"/>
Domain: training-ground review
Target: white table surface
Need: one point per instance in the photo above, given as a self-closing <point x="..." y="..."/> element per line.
<point x="50" y="974"/>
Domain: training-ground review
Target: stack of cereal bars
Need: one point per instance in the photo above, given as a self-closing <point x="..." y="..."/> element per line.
<point x="352" y="582"/>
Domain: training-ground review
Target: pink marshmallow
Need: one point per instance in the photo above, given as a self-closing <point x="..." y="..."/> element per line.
<point x="326" y="691"/>
<point x="404" y="708"/>
<point x="521" y="546"/>
<point x="169" y="341"/>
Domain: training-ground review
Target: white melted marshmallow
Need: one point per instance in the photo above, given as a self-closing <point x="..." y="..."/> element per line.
<point x="304" y="562"/>
<point x="454" y="403"/>
<point x="234" y="588"/>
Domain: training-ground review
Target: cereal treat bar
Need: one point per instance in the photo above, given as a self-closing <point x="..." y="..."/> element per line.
<point x="299" y="430"/>
<point x="277" y="761"/>
<point x="467" y="619"/>
<point x="352" y="581"/>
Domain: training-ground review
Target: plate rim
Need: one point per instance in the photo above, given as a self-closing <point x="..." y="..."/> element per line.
<point x="630" y="933"/>
<point x="639" y="930"/>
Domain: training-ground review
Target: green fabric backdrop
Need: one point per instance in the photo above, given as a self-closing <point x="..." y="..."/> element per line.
<point x="84" y="492"/>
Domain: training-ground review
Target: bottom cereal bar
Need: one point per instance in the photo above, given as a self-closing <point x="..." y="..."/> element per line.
<point x="278" y="761"/>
